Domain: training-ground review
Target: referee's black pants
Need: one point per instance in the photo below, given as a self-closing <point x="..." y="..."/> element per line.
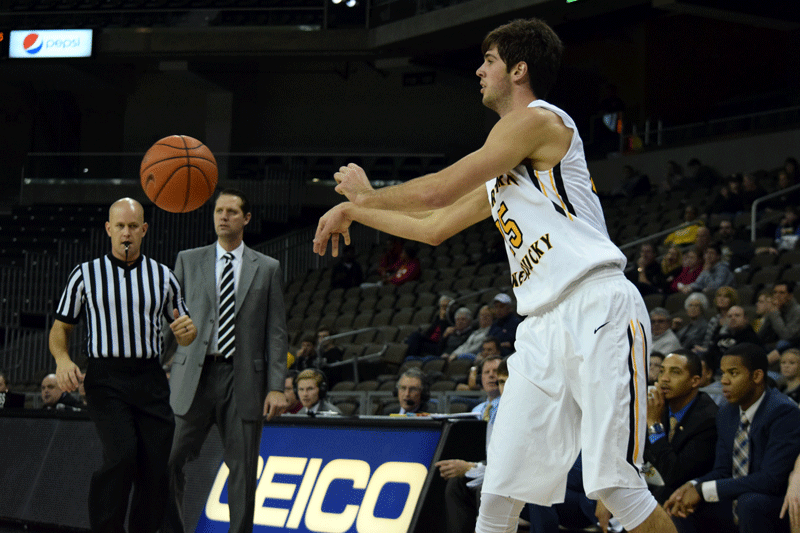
<point x="128" y="401"/>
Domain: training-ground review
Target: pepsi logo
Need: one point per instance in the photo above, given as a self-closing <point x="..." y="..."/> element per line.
<point x="32" y="43"/>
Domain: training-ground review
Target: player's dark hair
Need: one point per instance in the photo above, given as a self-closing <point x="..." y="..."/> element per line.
<point x="753" y="356"/>
<point x="533" y="42"/>
<point x="240" y="195"/>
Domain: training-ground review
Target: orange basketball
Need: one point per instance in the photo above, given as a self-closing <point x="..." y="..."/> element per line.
<point x="179" y="173"/>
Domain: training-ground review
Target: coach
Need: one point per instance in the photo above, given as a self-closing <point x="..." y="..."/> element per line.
<point x="123" y="297"/>
<point x="234" y="375"/>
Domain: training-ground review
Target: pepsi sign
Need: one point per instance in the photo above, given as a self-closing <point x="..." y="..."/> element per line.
<point x="333" y="480"/>
<point x="50" y="43"/>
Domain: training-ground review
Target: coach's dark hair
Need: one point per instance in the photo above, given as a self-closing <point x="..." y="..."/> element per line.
<point x="693" y="362"/>
<point x="752" y="355"/>
<point x="240" y="195"/>
<point x="533" y="42"/>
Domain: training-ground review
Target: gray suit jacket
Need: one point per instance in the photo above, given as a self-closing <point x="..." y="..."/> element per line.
<point x="259" y="362"/>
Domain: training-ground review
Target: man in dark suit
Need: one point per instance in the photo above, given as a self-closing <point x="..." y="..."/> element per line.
<point x="681" y="424"/>
<point x="757" y="443"/>
<point x="214" y="381"/>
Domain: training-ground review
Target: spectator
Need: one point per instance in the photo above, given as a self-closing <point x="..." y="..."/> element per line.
<point x="787" y="199"/>
<point x="692" y="267"/>
<point x="648" y="276"/>
<point x="703" y="240"/>
<point x="715" y="273"/>
<point x="311" y="387"/>
<point x="791" y="169"/>
<point x="681" y="424"/>
<point x="724" y="299"/>
<point x="664" y="339"/>
<point x="504" y="328"/>
<point x="737" y="331"/>
<point x="406" y="268"/>
<point x="710" y="386"/>
<point x="289" y="391"/>
<point x="781" y="326"/>
<point x="654" y="368"/>
<point x="761" y="428"/>
<point x="634" y="183"/>
<point x="456" y="335"/>
<point x="751" y="191"/>
<point x="55" y="398"/>
<point x="8" y="399"/>
<point x="699" y="175"/>
<point x="390" y="260"/>
<point x="686" y="234"/>
<point x="728" y="200"/>
<point x="462" y="496"/>
<point x="473" y="344"/>
<point x="787" y="232"/>
<point x="428" y="342"/>
<point x="489" y="349"/>
<point x="671" y="267"/>
<point x="347" y="272"/>
<point x="307" y="354"/>
<point x="736" y="252"/>
<point x="692" y="333"/>
<point x="673" y="179"/>
<point x="790" y="370"/>
<point x="327" y="350"/>
<point x="489" y="375"/>
<point x="764" y="306"/>
<point x="413" y="393"/>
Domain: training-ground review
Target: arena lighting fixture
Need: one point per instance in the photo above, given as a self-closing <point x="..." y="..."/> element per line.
<point x="336" y="1"/>
<point x="351" y="3"/>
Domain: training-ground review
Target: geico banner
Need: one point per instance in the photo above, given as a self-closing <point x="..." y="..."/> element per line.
<point x="332" y="480"/>
<point x="50" y="43"/>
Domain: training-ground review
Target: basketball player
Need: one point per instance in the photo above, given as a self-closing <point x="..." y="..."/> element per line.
<point x="578" y="377"/>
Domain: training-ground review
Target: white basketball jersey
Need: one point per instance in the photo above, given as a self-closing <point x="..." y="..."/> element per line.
<point x="552" y="223"/>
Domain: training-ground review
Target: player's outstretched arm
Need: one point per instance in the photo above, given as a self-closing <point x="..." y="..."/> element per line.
<point x="431" y="227"/>
<point x="519" y="135"/>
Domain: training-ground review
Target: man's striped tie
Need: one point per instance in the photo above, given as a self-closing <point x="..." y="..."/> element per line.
<point x="741" y="456"/>
<point x="227" y="308"/>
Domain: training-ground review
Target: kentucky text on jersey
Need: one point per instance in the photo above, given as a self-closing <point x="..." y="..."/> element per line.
<point x="530" y="259"/>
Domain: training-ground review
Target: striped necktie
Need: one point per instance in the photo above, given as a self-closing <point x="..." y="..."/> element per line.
<point x="227" y="308"/>
<point x="741" y="456"/>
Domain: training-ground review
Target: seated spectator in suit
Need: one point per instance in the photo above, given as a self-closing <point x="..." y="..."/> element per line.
<point x="347" y="272"/>
<point x="790" y="371"/>
<point x="288" y="390"/>
<point x="692" y="267"/>
<point x="692" y="333"/>
<point x="654" y="368"/>
<point x="687" y="234"/>
<point x="715" y="273"/>
<point x="489" y="349"/>
<point x="8" y="399"/>
<point x="506" y="320"/>
<point x="473" y="344"/>
<point x="457" y="334"/>
<point x="413" y="393"/>
<point x="737" y="331"/>
<point x="735" y="251"/>
<point x="54" y="398"/>
<point x="464" y="478"/>
<point x="311" y="387"/>
<point x="664" y="339"/>
<point x="683" y="449"/>
<point x="781" y="327"/>
<point x="758" y="440"/>
<point x="647" y="276"/>
<point x="428" y="342"/>
<point x="307" y="354"/>
<point x="489" y="369"/>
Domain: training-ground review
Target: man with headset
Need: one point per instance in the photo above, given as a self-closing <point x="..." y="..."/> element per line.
<point x="412" y="392"/>
<point x="312" y="387"/>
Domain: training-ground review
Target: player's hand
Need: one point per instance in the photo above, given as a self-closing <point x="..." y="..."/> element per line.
<point x="603" y="515"/>
<point x="332" y="224"/>
<point x="68" y="376"/>
<point x="453" y="468"/>
<point x="352" y="182"/>
<point x="183" y="328"/>
<point x="275" y="404"/>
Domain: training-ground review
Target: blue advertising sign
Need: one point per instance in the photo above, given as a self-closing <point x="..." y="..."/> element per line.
<point x="332" y="480"/>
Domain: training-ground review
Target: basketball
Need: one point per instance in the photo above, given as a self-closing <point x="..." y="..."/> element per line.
<point x="178" y="173"/>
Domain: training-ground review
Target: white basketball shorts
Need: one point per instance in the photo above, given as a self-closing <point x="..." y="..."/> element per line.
<point x="577" y="382"/>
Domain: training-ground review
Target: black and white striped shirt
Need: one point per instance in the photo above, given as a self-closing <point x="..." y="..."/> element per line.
<point x="123" y="306"/>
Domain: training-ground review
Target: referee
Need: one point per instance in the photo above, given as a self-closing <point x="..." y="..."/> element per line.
<point x="123" y="297"/>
